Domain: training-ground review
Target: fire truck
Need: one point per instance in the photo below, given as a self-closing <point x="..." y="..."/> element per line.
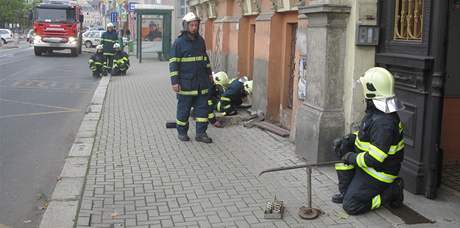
<point x="58" y="26"/>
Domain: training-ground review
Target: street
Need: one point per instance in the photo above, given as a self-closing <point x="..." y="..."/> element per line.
<point x="42" y="102"/>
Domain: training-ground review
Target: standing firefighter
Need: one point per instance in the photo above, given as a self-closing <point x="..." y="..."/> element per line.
<point x="191" y="76"/>
<point x="97" y="63"/>
<point x="108" y="39"/>
<point x="372" y="156"/>
<point x="120" y="61"/>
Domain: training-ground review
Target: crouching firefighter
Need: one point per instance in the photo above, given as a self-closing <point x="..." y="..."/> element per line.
<point x="97" y="63"/>
<point x="368" y="177"/>
<point x="234" y="95"/>
<point x="120" y="61"/>
<point x="191" y="77"/>
<point x="215" y="91"/>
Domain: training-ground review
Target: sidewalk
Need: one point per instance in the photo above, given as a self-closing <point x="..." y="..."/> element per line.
<point x="141" y="175"/>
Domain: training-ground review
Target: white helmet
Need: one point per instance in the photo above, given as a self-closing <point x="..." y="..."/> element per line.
<point x="221" y="78"/>
<point x="99" y="47"/>
<point x="109" y="25"/>
<point x="116" y="46"/>
<point x="189" y="17"/>
<point x="248" y="87"/>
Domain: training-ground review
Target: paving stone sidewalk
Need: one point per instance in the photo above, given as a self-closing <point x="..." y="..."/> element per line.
<point x="141" y="175"/>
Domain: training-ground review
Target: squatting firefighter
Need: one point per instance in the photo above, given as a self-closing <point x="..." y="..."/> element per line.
<point x="120" y="61"/>
<point x="372" y="156"/>
<point x="108" y="39"/>
<point x="217" y="88"/>
<point x="234" y="95"/>
<point x="191" y="77"/>
<point x="97" y="62"/>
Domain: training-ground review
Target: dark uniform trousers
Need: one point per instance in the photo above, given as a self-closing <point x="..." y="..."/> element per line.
<point x="369" y="174"/>
<point x="200" y="107"/>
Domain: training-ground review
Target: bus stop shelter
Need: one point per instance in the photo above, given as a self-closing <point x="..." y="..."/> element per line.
<point x="153" y="30"/>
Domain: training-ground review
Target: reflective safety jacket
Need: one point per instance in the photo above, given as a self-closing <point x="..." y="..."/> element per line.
<point x="189" y="65"/>
<point x="108" y="39"/>
<point x="121" y="60"/>
<point x="96" y="60"/>
<point x="233" y="96"/>
<point x="379" y="145"/>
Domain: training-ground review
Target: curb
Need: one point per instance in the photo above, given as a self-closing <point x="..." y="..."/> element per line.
<point x="64" y="202"/>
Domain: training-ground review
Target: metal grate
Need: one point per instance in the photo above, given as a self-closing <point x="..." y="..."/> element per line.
<point x="408" y="23"/>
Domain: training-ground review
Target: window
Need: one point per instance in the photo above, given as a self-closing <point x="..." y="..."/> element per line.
<point x="182" y="6"/>
<point x="408" y="24"/>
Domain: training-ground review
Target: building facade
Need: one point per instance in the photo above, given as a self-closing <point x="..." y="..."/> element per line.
<point x="305" y="58"/>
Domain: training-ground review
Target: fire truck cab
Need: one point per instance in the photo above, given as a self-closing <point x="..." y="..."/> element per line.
<point x="57" y="26"/>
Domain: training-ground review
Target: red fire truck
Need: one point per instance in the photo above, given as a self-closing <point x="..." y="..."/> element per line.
<point x="58" y="26"/>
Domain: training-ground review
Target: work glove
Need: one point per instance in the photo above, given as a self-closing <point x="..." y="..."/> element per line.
<point x="348" y="158"/>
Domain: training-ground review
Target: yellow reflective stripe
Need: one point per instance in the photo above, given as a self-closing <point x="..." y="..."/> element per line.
<point x="360" y="160"/>
<point x="201" y="120"/>
<point x="180" y="123"/>
<point x="227" y="106"/>
<point x="395" y="148"/>
<point x="343" y="166"/>
<point x="174" y="59"/>
<point x="360" y="144"/>
<point x="108" y="53"/>
<point x="173" y="73"/>
<point x="225" y="99"/>
<point x="190" y="59"/>
<point x="376" y="201"/>
<point x="211" y="115"/>
<point x="209" y="102"/>
<point x="108" y="40"/>
<point x="381" y="176"/>
<point x="192" y="92"/>
<point x="98" y="63"/>
<point x="125" y="58"/>
<point x="204" y="91"/>
<point x="90" y="61"/>
<point x="376" y="153"/>
<point x="218" y="106"/>
<point x="401" y="127"/>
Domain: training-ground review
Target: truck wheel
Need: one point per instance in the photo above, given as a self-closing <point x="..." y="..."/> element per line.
<point x="88" y="44"/>
<point x="37" y="51"/>
<point x="74" y="52"/>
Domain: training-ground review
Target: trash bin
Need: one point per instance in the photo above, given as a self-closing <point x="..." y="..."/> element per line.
<point x="130" y="46"/>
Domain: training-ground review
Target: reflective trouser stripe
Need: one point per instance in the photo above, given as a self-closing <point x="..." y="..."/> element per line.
<point x="180" y="123"/>
<point x="343" y="166"/>
<point x="211" y="115"/>
<point x="227" y="106"/>
<point x="225" y="99"/>
<point x="173" y="73"/>
<point x="209" y="102"/>
<point x="218" y="106"/>
<point x="193" y="92"/>
<point x="201" y="120"/>
<point x="376" y="201"/>
<point x="108" y="53"/>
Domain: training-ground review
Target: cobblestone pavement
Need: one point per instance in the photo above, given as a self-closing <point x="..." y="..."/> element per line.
<point x="141" y="175"/>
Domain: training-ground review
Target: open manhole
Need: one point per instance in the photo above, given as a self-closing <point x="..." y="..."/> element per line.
<point x="409" y="216"/>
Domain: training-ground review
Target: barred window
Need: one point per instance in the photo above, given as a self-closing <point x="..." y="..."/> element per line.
<point x="408" y="24"/>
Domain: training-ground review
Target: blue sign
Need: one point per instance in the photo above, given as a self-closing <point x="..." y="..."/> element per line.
<point x="132" y="6"/>
<point x="113" y="17"/>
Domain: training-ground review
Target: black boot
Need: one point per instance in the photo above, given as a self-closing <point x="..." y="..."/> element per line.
<point x="393" y="196"/>
<point x="203" y="138"/>
<point x="337" y="198"/>
<point x="183" y="138"/>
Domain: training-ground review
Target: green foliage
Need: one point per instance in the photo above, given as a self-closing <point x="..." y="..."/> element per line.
<point x="16" y="11"/>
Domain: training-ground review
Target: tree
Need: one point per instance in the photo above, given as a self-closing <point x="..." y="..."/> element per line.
<point x="15" y="11"/>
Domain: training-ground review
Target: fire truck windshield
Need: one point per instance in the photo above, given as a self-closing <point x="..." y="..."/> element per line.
<point x="55" y="15"/>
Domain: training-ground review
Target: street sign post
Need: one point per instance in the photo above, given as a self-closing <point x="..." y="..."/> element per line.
<point x="132" y="6"/>
<point x="113" y="17"/>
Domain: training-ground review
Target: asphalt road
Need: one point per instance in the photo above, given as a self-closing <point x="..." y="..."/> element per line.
<point x="42" y="102"/>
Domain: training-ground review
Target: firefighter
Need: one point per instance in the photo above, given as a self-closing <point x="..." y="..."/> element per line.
<point x="191" y="78"/>
<point x="97" y="62"/>
<point x="217" y="88"/>
<point x="372" y="156"/>
<point x="234" y="95"/>
<point x="108" y="39"/>
<point x="120" y="61"/>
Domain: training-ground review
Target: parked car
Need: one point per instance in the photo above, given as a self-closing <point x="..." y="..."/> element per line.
<point x="6" y="36"/>
<point x="92" y="38"/>
<point x="30" y="36"/>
